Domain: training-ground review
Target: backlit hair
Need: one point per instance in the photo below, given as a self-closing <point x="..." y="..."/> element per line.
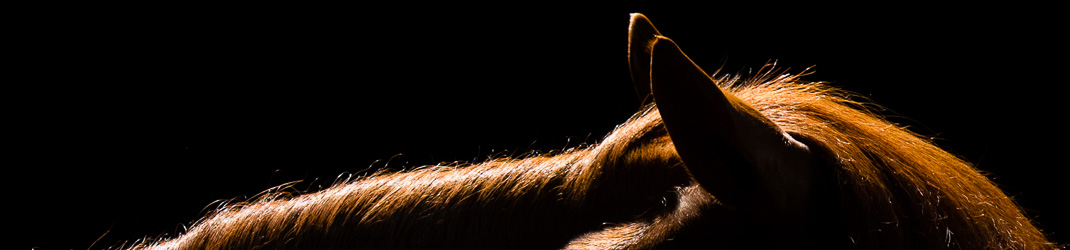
<point x="893" y="189"/>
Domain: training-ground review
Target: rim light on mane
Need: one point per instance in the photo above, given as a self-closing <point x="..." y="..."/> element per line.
<point x="710" y="160"/>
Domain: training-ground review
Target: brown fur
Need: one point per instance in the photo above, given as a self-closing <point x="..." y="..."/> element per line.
<point x="895" y="190"/>
<point x="794" y="165"/>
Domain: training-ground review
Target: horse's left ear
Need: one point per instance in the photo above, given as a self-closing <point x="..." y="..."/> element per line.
<point x="733" y="151"/>
<point x="641" y="35"/>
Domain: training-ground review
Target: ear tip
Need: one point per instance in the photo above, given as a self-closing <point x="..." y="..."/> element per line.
<point x="641" y="27"/>
<point x="669" y="62"/>
<point x="663" y="43"/>
<point x="638" y="16"/>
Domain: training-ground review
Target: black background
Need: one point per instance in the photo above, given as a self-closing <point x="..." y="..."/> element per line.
<point x="132" y="123"/>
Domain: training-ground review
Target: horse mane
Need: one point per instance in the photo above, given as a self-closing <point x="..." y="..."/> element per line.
<point x="898" y="189"/>
<point x="895" y="189"/>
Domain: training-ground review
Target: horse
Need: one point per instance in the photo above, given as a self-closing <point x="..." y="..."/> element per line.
<point x="710" y="160"/>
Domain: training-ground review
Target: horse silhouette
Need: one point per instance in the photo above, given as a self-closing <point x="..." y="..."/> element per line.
<point x="711" y="160"/>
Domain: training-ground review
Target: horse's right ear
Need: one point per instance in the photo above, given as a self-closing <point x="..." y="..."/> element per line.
<point x="641" y="37"/>
<point x="731" y="149"/>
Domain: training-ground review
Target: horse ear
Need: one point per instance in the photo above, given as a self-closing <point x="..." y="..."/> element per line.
<point x="641" y="35"/>
<point x="733" y="151"/>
